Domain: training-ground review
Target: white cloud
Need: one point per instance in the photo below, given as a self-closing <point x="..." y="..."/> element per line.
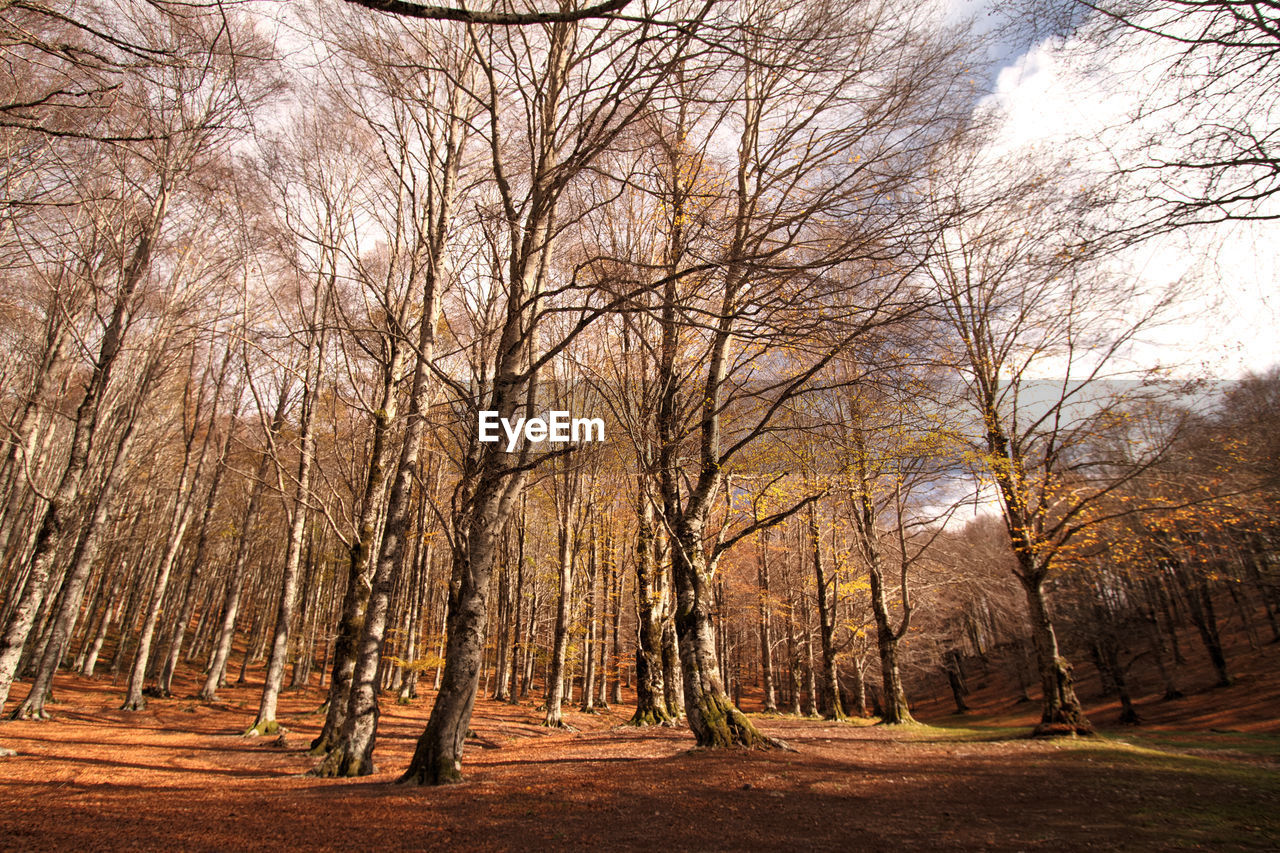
<point x="1049" y="102"/>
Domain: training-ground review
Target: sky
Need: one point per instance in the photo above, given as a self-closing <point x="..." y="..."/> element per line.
<point x="1228" y="326"/>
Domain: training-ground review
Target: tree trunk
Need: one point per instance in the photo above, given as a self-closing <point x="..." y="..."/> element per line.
<point x="652" y="707"/>
<point x="766" y="630"/>
<point x="1061" y="712"/>
<point x="560" y="643"/>
<point x="361" y="562"/>
<point x="235" y="577"/>
<point x="55" y="515"/>
<point x="265" y="723"/>
<point x="592" y="637"/>
<point x="82" y="561"/>
<point x="831" y="709"/>
<point x="714" y="719"/>
<point x="437" y="758"/>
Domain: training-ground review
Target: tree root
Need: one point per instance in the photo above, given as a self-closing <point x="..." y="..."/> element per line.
<point x="650" y="718"/>
<point x="25" y="712"/>
<point x="262" y="728"/>
<point x="341" y="764"/>
<point x="1059" y="729"/>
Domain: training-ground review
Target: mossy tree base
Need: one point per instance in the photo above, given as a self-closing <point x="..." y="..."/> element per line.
<point x="1062" y="716"/>
<point x="1048" y="730"/>
<point x="343" y="763"/>
<point x="897" y="718"/>
<point x="262" y="728"/>
<point x="139" y="704"/>
<point x="432" y="770"/>
<point x="320" y="745"/>
<point x="718" y="724"/>
<point x="651" y="717"/>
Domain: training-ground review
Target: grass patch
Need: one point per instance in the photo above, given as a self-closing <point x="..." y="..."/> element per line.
<point x="961" y="734"/>
<point x="1190" y="801"/>
<point x="1259" y="745"/>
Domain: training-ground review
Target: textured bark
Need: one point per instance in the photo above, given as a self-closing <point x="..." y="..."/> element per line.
<point x="362" y="558"/>
<point x="352" y="754"/>
<point x="712" y="716"/>
<point x="437" y="757"/>
<point x="651" y="702"/>
<point x="1061" y="712"/>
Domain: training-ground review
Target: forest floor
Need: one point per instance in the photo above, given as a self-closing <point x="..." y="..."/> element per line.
<point x="179" y="776"/>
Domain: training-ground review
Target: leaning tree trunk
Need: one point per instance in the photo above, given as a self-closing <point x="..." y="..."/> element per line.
<point x="1061" y="712"/>
<point x="437" y="758"/>
<point x="83" y="558"/>
<point x="188" y="598"/>
<point x="183" y="510"/>
<point x="55" y="516"/>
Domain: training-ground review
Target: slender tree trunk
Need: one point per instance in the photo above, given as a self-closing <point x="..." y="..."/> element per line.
<point x="87" y="547"/>
<point x="592" y="638"/>
<point x="265" y="723"/>
<point x="616" y="576"/>
<point x="235" y="577"/>
<point x="831" y="708"/>
<point x="192" y="587"/>
<point x="560" y="643"/>
<point x="55" y="515"/>
<point x="517" y="639"/>
<point x="766" y="631"/>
